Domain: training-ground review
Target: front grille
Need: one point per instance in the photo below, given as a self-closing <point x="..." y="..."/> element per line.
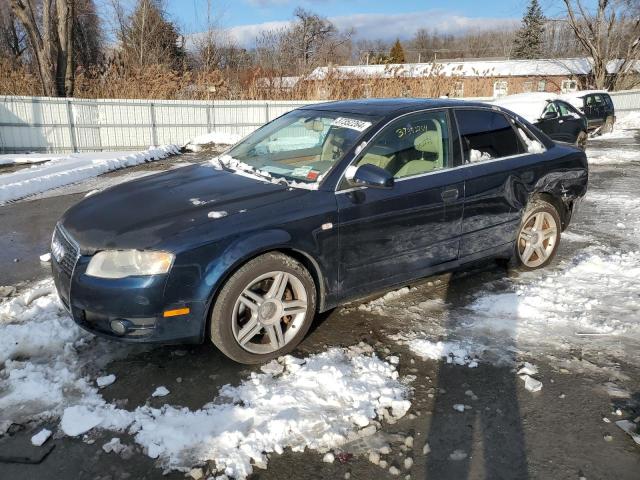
<point x="71" y="251"/>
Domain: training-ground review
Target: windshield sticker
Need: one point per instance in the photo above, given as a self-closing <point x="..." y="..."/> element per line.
<point x="276" y="170"/>
<point x="351" y="123"/>
<point x="313" y="175"/>
<point x="301" y="171"/>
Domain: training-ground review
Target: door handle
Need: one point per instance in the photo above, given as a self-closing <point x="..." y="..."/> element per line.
<point x="450" y="195"/>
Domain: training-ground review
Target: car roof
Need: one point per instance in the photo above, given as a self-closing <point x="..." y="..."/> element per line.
<point x="583" y="93"/>
<point x="388" y="106"/>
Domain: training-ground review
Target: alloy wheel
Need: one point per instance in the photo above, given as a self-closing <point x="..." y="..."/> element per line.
<point x="537" y="239"/>
<point x="269" y="312"/>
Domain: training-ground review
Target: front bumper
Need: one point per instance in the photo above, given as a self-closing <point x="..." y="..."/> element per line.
<point x="138" y="302"/>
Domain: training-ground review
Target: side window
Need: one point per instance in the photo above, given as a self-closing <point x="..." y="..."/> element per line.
<point x="550" y="108"/>
<point x="411" y="145"/>
<point x="486" y="135"/>
<point x="564" y="111"/>
<point x="568" y="110"/>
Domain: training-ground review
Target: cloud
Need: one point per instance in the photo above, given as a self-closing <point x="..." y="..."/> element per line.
<point x="383" y="26"/>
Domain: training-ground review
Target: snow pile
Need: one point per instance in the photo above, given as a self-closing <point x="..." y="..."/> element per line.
<point x="18" y="159"/>
<point x="454" y="352"/>
<point x="40" y="358"/>
<point x="593" y="296"/>
<point x="594" y="293"/>
<point x="212" y="138"/>
<point x="315" y="403"/>
<point x="378" y="304"/>
<point x="73" y="168"/>
<point x="319" y="402"/>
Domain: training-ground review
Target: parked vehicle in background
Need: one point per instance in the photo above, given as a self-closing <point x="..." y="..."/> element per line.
<point x="555" y="117"/>
<point x="597" y="106"/>
<point x="327" y="204"/>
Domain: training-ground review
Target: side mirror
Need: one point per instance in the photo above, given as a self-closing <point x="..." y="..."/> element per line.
<point x="371" y="176"/>
<point x="550" y="115"/>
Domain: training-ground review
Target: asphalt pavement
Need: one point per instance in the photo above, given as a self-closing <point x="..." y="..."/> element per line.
<point x="510" y="433"/>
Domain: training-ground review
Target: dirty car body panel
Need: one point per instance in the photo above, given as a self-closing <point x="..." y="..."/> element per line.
<point x="354" y="241"/>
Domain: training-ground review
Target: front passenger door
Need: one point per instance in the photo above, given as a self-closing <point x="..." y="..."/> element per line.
<point x="388" y="236"/>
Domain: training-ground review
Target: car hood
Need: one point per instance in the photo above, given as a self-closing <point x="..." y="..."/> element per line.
<point x="143" y="213"/>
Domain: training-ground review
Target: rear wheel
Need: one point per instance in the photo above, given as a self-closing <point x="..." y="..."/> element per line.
<point x="607" y="127"/>
<point x="264" y="310"/>
<point x="581" y="141"/>
<point x="539" y="236"/>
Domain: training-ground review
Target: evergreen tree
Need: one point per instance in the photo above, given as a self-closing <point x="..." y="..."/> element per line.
<point x="529" y="40"/>
<point x="396" y="55"/>
<point x="149" y="38"/>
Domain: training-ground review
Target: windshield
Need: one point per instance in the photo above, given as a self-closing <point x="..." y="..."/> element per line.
<point x="299" y="147"/>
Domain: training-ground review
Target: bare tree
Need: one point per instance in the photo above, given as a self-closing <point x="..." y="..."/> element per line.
<point x="49" y="25"/>
<point x="610" y="35"/>
<point x="13" y="39"/>
<point x="87" y="36"/>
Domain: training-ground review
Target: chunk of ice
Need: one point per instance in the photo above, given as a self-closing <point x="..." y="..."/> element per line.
<point x="39" y="438"/>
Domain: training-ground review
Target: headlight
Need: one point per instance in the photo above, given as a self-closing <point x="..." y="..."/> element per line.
<point x="126" y="263"/>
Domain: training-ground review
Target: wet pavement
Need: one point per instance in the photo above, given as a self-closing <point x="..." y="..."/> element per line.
<point x="509" y="433"/>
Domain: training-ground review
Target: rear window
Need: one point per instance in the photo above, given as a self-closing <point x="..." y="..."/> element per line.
<point x="486" y="135"/>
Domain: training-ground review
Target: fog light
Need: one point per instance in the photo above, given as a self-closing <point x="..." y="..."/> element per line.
<point x="119" y="326"/>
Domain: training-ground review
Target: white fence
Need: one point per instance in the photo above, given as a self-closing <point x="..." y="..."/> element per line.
<point x="41" y="124"/>
<point x="626" y="100"/>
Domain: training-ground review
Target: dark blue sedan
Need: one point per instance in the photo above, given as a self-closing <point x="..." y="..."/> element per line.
<point x="326" y="204"/>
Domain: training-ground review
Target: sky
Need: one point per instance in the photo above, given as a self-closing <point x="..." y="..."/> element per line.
<point x="372" y="19"/>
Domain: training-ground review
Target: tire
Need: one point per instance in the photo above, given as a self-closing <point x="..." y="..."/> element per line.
<point x="607" y="126"/>
<point x="534" y="250"/>
<point x="581" y="141"/>
<point x="249" y="323"/>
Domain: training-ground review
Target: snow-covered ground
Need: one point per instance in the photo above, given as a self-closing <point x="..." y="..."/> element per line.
<point x="51" y="371"/>
<point x="626" y="126"/>
<point x="59" y="170"/>
<point x="589" y="300"/>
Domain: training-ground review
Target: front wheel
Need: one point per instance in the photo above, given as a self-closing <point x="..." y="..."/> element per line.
<point x="539" y="236"/>
<point x="264" y="310"/>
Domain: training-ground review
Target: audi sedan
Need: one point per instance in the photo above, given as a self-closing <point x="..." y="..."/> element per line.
<point x="324" y="205"/>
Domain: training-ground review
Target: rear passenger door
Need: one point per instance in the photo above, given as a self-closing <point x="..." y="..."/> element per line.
<point x="388" y="236"/>
<point x="492" y="152"/>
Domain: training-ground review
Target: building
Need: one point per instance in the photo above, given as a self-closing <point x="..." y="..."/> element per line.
<point x="468" y="78"/>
